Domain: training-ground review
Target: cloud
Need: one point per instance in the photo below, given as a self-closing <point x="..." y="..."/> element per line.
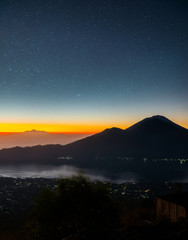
<point x="48" y="171"/>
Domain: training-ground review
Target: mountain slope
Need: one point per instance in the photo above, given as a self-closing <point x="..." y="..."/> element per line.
<point x="152" y="137"/>
<point x="156" y="136"/>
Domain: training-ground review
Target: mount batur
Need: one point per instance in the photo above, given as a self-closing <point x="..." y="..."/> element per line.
<point x="153" y="144"/>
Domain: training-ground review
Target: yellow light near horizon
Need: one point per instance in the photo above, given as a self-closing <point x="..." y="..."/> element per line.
<point x="69" y="128"/>
<point x="22" y="127"/>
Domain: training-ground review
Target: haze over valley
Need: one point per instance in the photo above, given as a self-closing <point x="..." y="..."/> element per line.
<point x="34" y="137"/>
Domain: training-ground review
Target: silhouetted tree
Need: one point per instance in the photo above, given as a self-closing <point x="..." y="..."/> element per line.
<point x="78" y="207"/>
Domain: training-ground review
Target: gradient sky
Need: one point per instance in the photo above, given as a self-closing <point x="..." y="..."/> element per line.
<point x="77" y="65"/>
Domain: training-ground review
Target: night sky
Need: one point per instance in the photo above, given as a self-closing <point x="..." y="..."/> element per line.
<point x="86" y="65"/>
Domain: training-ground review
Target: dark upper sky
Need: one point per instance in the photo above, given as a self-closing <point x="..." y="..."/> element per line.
<point x="96" y="62"/>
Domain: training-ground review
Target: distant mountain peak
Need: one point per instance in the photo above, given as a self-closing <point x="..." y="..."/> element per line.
<point x="113" y="130"/>
<point x="158" y="117"/>
<point x="34" y="131"/>
<point x="154" y="125"/>
<point x="164" y="120"/>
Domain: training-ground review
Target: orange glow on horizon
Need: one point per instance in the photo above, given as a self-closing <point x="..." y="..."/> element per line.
<point x="84" y="133"/>
<point x="7" y="133"/>
<point x="73" y="132"/>
<point x="8" y="128"/>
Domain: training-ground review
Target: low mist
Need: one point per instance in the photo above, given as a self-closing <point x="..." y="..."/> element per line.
<point x="48" y="171"/>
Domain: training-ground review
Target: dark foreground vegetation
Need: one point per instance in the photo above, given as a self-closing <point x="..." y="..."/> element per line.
<point x="79" y="209"/>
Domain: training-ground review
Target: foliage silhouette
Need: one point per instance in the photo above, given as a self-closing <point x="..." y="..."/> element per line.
<point x="77" y="208"/>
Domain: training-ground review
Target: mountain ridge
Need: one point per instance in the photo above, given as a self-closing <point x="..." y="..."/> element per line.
<point x="156" y="136"/>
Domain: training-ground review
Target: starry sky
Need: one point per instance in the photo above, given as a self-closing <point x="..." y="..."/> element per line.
<point x="84" y="65"/>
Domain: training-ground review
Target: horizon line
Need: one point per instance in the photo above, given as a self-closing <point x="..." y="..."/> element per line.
<point x="8" y="133"/>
